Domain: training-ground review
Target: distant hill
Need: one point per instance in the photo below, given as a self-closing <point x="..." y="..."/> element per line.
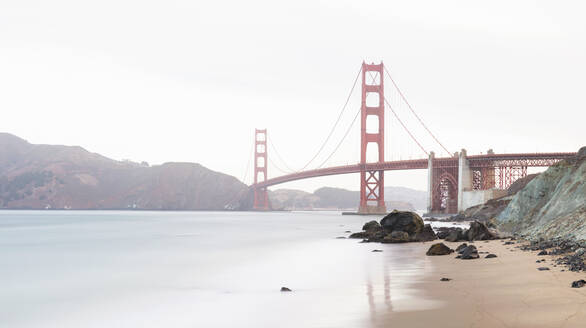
<point x="57" y="177"/>
<point x="417" y="198"/>
<point x="336" y="198"/>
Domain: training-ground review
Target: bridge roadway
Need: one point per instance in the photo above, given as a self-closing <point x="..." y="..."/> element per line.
<point x="476" y="161"/>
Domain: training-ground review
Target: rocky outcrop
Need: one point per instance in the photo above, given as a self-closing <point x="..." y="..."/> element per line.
<point x="397" y="237"/>
<point x="408" y="222"/>
<point x="552" y="205"/>
<point x="397" y="227"/>
<point x="492" y="208"/>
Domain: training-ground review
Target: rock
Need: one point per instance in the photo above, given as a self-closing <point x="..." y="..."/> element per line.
<point x="397" y="237"/>
<point x="439" y="249"/>
<point x="445" y="279"/>
<point x="427" y="234"/>
<point x="371" y="226"/>
<point x="579" y="252"/>
<point x="347" y="231"/>
<point x="377" y="250"/>
<point x="542" y="253"/>
<point x="443" y="232"/>
<point x="460" y="248"/>
<point x="405" y="221"/>
<point x="479" y="231"/>
<point x="469" y="253"/>
<point x="508" y="243"/>
<point x="581" y="152"/>
<point x="361" y="235"/>
<point x="578" y="283"/>
<point x="455" y="235"/>
<point x="543" y="269"/>
<point x="490" y="256"/>
<point x="285" y="289"/>
<point x="341" y="237"/>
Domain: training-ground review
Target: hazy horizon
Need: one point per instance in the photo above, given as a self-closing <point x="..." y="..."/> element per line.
<point x="190" y="81"/>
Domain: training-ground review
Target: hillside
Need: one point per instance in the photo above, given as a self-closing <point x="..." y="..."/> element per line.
<point x="553" y="204"/>
<point x="338" y="198"/>
<point x="52" y="176"/>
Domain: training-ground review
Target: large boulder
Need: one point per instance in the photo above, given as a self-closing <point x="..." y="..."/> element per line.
<point x="397" y="237"/>
<point x="479" y="231"/>
<point x="426" y="234"/>
<point x="439" y="249"/>
<point x="409" y="222"/>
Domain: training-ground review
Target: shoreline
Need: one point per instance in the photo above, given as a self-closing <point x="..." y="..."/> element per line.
<point x="507" y="291"/>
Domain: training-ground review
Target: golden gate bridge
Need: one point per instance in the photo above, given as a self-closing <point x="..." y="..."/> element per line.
<point x="454" y="182"/>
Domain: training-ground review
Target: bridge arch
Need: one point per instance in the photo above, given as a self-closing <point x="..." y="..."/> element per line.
<point x="446" y="194"/>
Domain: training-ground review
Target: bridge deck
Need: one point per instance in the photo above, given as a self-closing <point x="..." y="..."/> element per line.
<point x="529" y="160"/>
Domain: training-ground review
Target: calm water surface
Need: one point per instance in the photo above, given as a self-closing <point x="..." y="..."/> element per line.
<point x="199" y="269"/>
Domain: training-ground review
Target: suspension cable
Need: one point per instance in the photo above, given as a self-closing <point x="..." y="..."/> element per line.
<point x="250" y="156"/>
<point x="349" y="128"/>
<point x="405" y="127"/>
<point x="342" y="140"/>
<point x="337" y="121"/>
<point x="413" y="111"/>
<point x="277" y="167"/>
<point x="281" y="158"/>
<point x="398" y="119"/>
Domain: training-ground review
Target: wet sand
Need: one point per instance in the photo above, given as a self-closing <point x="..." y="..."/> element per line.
<point x="507" y="291"/>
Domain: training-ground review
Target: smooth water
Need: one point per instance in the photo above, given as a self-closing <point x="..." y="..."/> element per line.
<point x="199" y="269"/>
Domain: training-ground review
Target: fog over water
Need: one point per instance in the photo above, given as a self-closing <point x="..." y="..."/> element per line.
<point x="199" y="269"/>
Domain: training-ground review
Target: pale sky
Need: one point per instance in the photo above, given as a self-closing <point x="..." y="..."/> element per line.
<point x="163" y="81"/>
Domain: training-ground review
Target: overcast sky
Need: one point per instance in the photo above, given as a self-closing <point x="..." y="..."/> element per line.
<point x="162" y="81"/>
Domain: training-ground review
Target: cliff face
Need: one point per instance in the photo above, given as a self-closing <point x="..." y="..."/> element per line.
<point x="48" y="176"/>
<point x="553" y="204"/>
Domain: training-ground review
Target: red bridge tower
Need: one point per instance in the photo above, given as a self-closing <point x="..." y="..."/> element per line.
<point x="372" y="194"/>
<point x="261" y="197"/>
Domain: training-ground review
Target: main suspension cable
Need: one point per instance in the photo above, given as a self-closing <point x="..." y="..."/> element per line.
<point x="398" y="119"/>
<point x="349" y="128"/>
<point x="342" y="140"/>
<point x="413" y="111"/>
<point x="336" y="123"/>
<point x="250" y="156"/>
<point x="281" y="158"/>
<point x="277" y="167"/>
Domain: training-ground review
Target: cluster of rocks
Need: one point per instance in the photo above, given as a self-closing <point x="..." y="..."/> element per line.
<point x="477" y="231"/>
<point x="571" y="252"/>
<point x="405" y="226"/>
<point x="396" y="227"/>
<point x="465" y="251"/>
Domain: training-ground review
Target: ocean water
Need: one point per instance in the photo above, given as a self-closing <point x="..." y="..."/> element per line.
<point x="199" y="269"/>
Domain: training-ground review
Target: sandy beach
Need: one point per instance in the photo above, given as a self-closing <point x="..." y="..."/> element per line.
<point x="507" y="291"/>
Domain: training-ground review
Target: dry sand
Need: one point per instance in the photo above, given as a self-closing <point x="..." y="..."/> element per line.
<point x="507" y="291"/>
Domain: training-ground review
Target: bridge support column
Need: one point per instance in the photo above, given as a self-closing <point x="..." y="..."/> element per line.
<point x="261" y="196"/>
<point x="430" y="182"/>
<point x="464" y="179"/>
<point x="372" y="182"/>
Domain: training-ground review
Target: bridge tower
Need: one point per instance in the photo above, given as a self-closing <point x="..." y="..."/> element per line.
<point x="261" y="197"/>
<point x="372" y="194"/>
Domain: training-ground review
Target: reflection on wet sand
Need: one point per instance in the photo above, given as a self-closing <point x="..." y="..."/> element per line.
<point x="396" y="289"/>
<point x="387" y="294"/>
